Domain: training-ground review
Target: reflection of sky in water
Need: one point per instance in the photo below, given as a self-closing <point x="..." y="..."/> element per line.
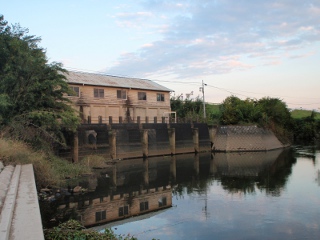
<point x="218" y="214"/>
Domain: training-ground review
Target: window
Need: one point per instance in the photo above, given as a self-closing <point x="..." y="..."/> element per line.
<point x="98" y="92"/>
<point x="160" y="97"/>
<point x="121" y="94"/>
<point x="76" y="90"/>
<point x="144" y="206"/>
<point x="123" y="211"/>
<point x="101" y="216"/>
<point x="162" y="201"/>
<point x="142" y="96"/>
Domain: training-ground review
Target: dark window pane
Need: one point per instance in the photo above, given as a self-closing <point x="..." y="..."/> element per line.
<point x="160" y="97"/>
<point x="141" y="206"/>
<point x="124" y="94"/>
<point x="101" y="93"/>
<point x="120" y="211"/>
<point x="142" y="96"/>
<point x="103" y="215"/>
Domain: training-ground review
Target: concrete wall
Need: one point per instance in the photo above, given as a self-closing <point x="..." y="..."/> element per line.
<point x="245" y="138"/>
<point x="130" y="140"/>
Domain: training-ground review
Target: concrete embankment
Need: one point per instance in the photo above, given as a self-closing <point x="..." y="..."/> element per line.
<point x="245" y="138"/>
<point x="19" y="208"/>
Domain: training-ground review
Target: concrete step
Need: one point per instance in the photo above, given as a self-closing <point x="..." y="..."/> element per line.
<point x="20" y="215"/>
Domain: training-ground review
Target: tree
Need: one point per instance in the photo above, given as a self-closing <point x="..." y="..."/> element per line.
<point x="237" y="111"/>
<point x="189" y="108"/>
<point x="33" y="105"/>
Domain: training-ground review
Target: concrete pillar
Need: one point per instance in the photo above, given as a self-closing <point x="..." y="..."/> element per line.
<point x="75" y="152"/>
<point x="144" y="142"/>
<point x="147" y="119"/>
<point x="173" y="168"/>
<point x="138" y="120"/>
<point x="172" y="140"/>
<point x="212" y="133"/>
<point x="146" y="171"/>
<point x="195" y="134"/>
<point x="155" y="120"/>
<point x="112" y="143"/>
<point x="196" y="164"/>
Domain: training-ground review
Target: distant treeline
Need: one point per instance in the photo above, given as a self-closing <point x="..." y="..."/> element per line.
<point x="266" y="112"/>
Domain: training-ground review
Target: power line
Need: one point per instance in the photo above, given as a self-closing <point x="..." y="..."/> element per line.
<point x="233" y="92"/>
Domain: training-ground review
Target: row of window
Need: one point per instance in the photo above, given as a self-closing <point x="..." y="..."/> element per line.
<point x="121" y="94"/>
<point x="124" y="210"/>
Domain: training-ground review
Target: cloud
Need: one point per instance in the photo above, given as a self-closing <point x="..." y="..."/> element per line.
<point x="198" y="34"/>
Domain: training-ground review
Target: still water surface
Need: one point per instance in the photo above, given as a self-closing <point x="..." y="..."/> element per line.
<point x="274" y="195"/>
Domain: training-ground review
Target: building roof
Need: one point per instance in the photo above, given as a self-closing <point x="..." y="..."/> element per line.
<point x="95" y="79"/>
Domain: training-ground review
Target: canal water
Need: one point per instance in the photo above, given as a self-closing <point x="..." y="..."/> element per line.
<point x="274" y="195"/>
<point x="253" y="195"/>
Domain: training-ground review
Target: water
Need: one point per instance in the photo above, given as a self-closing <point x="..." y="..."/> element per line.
<point x="230" y="196"/>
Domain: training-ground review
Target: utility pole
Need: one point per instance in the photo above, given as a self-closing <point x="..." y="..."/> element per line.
<point x="204" y="103"/>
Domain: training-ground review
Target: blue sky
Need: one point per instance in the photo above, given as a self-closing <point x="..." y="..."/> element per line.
<point x="245" y="48"/>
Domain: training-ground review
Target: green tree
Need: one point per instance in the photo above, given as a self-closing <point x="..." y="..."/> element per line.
<point x="188" y="108"/>
<point x="33" y="105"/>
<point x="275" y="112"/>
<point x="237" y="111"/>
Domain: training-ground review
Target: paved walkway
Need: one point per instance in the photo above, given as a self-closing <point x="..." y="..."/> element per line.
<point x="19" y="208"/>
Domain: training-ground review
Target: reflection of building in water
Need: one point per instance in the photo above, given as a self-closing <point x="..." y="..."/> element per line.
<point x="115" y="207"/>
<point x="139" y="186"/>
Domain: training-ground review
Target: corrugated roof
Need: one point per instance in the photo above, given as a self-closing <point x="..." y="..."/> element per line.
<point x="113" y="81"/>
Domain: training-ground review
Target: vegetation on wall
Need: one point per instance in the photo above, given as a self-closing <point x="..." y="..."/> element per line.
<point x="33" y="106"/>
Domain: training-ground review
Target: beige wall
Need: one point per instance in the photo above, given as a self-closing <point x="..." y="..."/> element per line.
<point x="109" y="105"/>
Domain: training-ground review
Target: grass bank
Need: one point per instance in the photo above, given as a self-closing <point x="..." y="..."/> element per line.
<point x="49" y="169"/>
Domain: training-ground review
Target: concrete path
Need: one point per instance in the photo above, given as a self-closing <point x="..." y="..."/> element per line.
<point x="19" y="208"/>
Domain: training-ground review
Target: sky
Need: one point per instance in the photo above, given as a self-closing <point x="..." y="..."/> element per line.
<point x="246" y="48"/>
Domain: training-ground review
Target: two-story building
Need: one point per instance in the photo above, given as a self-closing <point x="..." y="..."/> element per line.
<point x="101" y="98"/>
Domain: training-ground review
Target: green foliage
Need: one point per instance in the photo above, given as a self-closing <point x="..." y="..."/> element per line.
<point x="307" y="128"/>
<point x="75" y="231"/>
<point x="189" y="108"/>
<point x="32" y="91"/>
<point x="267" y="112"/>
<point x="237" y="111"/>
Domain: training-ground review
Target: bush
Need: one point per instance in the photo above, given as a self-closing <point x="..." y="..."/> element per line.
<point x="74" y="230"/>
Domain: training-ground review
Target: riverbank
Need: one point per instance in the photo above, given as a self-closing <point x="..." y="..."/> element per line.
<point x="49" y="170"/>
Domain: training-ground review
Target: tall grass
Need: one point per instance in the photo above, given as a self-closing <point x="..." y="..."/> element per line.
<point x="49" y="170"/>
<point x="300" y="113"/>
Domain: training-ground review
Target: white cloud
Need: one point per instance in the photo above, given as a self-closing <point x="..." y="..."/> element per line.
<point x="199" y="34"/>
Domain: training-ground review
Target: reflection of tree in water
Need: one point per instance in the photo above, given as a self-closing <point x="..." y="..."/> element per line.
<point x="244" y="185"/>
<point x="271" y="180"/>
<point x="195" y="184"/>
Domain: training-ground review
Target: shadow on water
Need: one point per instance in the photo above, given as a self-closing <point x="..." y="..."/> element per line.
<point x="140" y="187"/>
